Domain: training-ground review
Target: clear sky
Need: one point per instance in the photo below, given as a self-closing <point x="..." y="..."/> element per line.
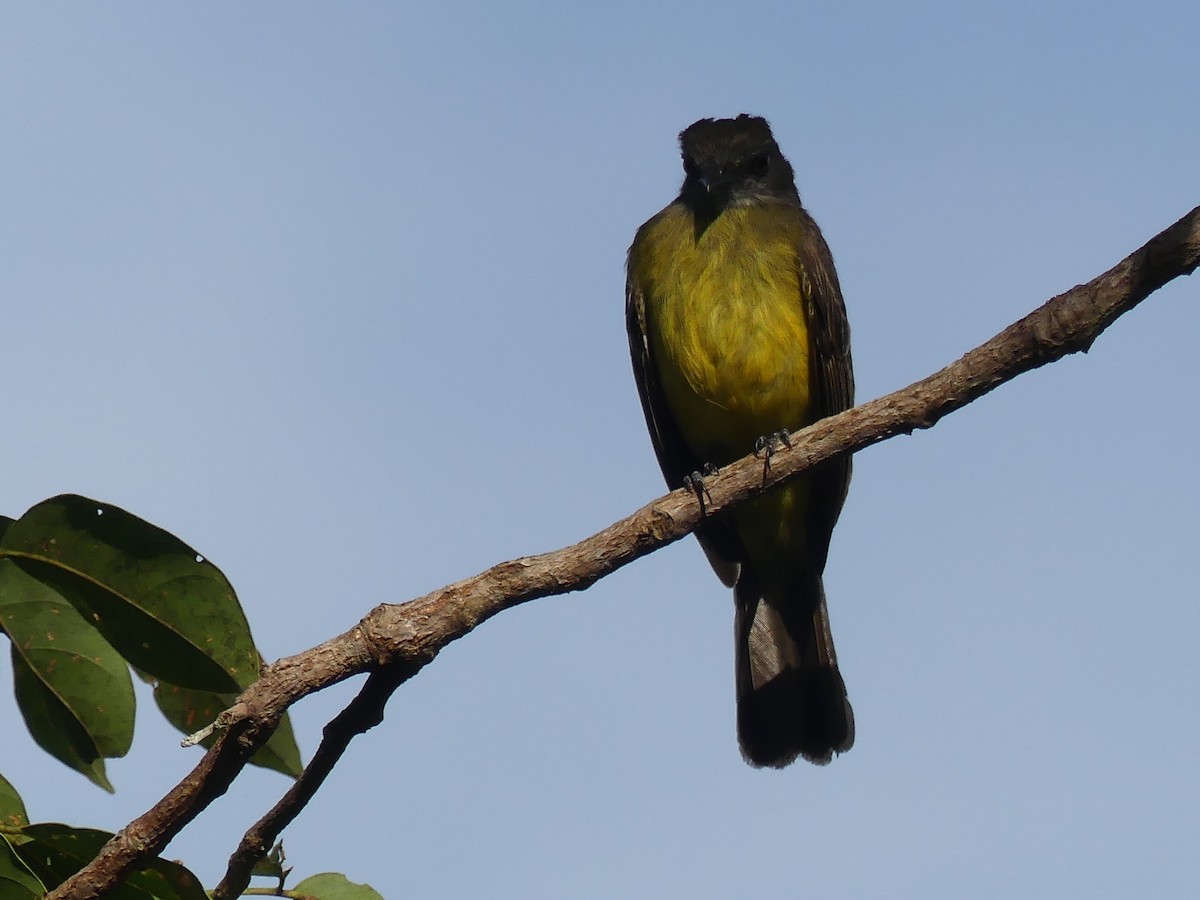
<point x="335" y="293"/>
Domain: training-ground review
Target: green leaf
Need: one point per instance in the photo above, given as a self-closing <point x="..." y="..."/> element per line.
<point x="12" y="808"/>
<point x="280" y="753"/>
<point x="335" y="886"/>
<point x="72" y="687"/>
<point x="70" y="659"/>
<point x="56" y="852"/>
<point x="190" y="711"/>
<point x="54" y="727"/>
<point x="166" y="609"/>
<point x="16" y="881"/>
<point x="272" y="865"/>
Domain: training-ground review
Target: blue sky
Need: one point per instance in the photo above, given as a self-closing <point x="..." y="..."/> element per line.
<point x="335" y="293"/>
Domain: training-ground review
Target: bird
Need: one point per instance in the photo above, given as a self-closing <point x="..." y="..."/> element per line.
<point x="738" y="335"/>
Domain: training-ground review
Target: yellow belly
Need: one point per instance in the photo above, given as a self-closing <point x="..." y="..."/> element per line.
<point x="726" y="317"/>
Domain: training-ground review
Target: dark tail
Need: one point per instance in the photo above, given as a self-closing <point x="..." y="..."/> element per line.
<point x="791" y="700"/>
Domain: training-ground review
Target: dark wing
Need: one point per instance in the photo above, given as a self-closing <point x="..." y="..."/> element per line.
<point x="675" y="458"/>
<point x="832" y="377"/>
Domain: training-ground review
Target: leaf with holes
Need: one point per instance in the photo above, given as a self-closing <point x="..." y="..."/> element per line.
<point x="165" y="608"/>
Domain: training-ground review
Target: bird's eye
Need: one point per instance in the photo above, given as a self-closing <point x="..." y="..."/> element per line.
<point x="757" y="166"/>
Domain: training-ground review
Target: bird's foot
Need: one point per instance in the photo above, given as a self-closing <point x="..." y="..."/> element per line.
<point x="765" y="447"/>
<point x="695" y="484"/>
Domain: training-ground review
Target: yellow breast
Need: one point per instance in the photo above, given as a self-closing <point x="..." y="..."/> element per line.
<point x="726" y="318"/>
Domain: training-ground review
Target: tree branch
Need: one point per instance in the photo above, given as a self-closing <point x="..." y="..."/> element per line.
<point x="411" y="634"/>
<point x="363" y="713"/>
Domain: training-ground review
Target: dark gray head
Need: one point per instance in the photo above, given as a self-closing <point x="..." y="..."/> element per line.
<point x="728" y="161"/>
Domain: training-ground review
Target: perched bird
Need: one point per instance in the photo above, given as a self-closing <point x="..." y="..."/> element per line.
<point x="738" y="334"/>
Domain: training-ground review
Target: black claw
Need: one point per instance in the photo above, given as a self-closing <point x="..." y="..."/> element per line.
<point x="765" y="447"/>
<point x="695" y="484"/>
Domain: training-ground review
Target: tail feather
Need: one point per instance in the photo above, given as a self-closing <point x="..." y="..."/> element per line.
<point x="790" y="695"/>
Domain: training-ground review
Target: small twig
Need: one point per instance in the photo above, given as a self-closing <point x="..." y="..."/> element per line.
<point x="363" y="713"/>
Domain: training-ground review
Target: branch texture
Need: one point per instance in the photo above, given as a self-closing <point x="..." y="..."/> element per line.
<point x="410" y="635"/>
